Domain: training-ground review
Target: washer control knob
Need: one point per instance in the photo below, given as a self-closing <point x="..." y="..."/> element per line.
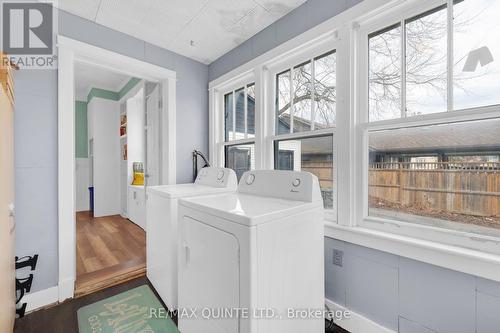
<point x="220" y="175"/>
<point x="296" y="182"/>
<point x="250" y="179"/>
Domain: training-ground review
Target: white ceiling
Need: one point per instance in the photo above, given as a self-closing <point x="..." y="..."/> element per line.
<point x="90" y="76"/>
<point x="214" y="26"/>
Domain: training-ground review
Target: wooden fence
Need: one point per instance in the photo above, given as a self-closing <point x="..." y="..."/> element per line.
<point x="324" y="172"/>
<point x="464" y="188"/>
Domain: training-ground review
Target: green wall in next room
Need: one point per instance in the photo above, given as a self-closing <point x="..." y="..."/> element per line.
<point x="81" y="137"/>
<point x="113" y="95"/>
<point x="81" y="149"/>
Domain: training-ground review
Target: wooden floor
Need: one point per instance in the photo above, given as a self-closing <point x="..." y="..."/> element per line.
<point x="109" y="250"/>
<point x="62" y="318"/>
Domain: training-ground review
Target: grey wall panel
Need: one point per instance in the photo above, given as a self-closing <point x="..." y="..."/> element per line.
<point x="336" y="276"/>
<point x="437" y="298"/>
<point x="192" y="125"/>
<point x="34" y="119"/>
<point x="263" y="41"/>
<point x="36" y="135"/>
<point x="322" y="10"/>
<point x="79" y="28"/>
<point x="299" y="20"/>
<point x="89" y="32"/>
<point x="158" y="56"/>
<point x="294" y="23"/>
<point x="36" y="221"/>
<point x="372" y="290"/>
<point x="408" y="326"/>
<point x="379" y="257"/>
<point x="488" y="287"/>
<point x="488" y="313"/>
<point x="36" y="83"/>
<point x="367" y="283"/>
<point x="35" y="159"/>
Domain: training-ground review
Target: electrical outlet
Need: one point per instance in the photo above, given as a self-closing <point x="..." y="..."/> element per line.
<point x="338" y="257"/>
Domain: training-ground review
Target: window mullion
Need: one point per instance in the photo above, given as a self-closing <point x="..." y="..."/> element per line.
<point x="313" y="90"/>
<point x="449" y="57"/>
<point x="292" y="95"/>
<point x="245" y="103"/>
<point x="403" y="69"/>
<point x="233" y="137"/>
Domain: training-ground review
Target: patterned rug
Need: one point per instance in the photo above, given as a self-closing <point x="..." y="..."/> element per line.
<point x="134" y="311"/>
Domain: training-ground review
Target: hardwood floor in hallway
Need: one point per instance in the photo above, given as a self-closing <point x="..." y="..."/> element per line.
<point x="110" y="250"/>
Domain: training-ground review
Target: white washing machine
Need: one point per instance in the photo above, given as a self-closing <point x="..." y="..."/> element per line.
<point x="253" y="261"/>
<point x="162" y="233"/>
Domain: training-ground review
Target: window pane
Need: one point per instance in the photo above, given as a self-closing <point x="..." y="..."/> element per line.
<point x="228" y="117"/>
<point x="385" y="74"/>
<point x="240" y="114"/>
<point x="426" y="63"/>
<point x="240" y="158"/>
<point x="283" y="103"/>
<point x="476" y="43"/>
<point x="302" y="106"/>
<point x="325" y="90"/>
<point x="251" y="110"/>
<point x="442" y="175"/>
<point x="314" y="155"/>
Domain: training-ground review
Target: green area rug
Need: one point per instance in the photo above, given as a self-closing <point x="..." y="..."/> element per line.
<point x="134" y="311"/>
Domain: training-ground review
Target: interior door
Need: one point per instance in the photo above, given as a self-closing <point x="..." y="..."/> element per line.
<point x="153" y="134"/>
<point x="7" y="271"/>
<point x="209" y="277"/>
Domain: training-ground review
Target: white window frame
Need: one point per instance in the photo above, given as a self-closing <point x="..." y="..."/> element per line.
<point x="289" y="63"/>
<point x="449" y="235"/>
<point x="425" y="244"/>
<point x="217" y="127"/>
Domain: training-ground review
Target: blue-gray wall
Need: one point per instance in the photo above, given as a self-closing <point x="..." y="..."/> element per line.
<point x="404" y="295"/>
<point x="36" y="136"/>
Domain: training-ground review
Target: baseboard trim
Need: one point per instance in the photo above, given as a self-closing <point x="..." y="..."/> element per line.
<point x="356" y="322"/>
<point x="41" y="298"/>
<point x="66" y="289"/>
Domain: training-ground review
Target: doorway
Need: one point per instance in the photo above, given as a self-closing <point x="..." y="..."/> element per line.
<point x="70" y="53"/>
<point x="117" y="155"/>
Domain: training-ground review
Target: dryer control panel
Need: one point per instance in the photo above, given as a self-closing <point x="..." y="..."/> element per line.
<point x="289" y="185"/>
<point x="217" y="177"/>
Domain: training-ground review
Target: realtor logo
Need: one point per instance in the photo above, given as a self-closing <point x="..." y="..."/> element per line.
<point x="27" y="36"/>
<point x="27" y="28"/>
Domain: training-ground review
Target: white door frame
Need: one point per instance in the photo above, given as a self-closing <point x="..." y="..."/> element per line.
<point x="69" y="51"/>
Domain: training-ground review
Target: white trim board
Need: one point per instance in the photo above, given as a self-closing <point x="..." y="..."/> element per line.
<point x="69" y="51"/>
<point x="41" y="298"/>
<point x="356" y="323"/>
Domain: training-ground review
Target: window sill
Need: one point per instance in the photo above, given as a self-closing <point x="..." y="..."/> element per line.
<point x="460" y="259"/>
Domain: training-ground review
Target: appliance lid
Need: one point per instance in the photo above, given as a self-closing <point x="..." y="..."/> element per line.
<point x="247" y="209"/>
<point x="185" y="190"/>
